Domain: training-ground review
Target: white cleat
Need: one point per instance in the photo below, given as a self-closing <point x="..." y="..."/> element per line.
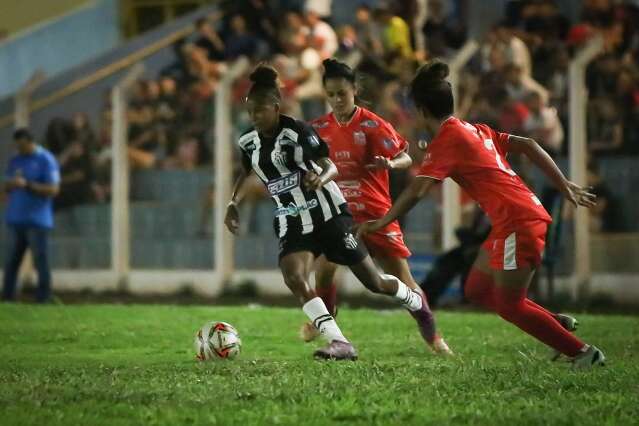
<point x="586" y="360"/>
<point x="308" y="332"/>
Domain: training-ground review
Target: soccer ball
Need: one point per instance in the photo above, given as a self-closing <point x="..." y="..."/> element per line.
<point x="217" y="340"/>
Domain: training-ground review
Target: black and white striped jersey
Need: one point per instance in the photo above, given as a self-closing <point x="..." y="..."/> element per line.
<point x="281" y="162"/>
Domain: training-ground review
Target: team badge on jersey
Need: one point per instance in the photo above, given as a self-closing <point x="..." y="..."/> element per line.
<point x="349" y="241"/>
<point x="359" y="137"/>
<point x="279" y="158"/>
<point x="369" y="123"/>
<point x="389" y="143"/>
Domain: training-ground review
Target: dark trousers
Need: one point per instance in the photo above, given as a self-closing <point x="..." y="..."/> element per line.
<point x="35" y="238"/>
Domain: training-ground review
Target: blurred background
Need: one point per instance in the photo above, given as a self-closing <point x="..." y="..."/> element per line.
<point x="140" y="102"/>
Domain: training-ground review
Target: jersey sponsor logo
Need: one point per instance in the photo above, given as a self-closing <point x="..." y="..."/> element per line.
<point x="349" y="241"/>
<point x="313" y="141"/>
<point x="359" y="137"/>
<point x="294" y="210"/>
<point x="349" y="184"/>
<point x="342" y="155"/>
<point x="283" y="184"/>
<point x="369" y="123"/>
<point x="321" y="124"/>
<point x="351" y="193"/>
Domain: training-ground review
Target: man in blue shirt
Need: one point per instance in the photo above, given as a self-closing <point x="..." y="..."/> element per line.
<point x="32" y="180"/>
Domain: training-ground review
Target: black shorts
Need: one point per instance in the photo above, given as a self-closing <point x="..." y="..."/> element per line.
<point x="334" y="239"/>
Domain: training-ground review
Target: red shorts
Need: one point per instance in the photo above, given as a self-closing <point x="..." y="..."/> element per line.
<point x="517" y="247"/>
<point x="387" y="242"/>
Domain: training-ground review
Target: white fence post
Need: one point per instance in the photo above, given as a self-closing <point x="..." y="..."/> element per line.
<point x="120" y="227"/>
<point x="223" y="240"/>
<point x="578" y="153"/>
<point x="451" y="205"/>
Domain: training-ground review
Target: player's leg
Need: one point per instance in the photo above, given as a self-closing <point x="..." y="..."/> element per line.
<point x="510" y="301"/>
<point x="325" y="283"/>
<point x="296" y="268"/>
<point x="38" y="242"/>
<point x="398" y="266"/>
<point x="479" y="285"/>
<point x="324" y="288"/>
<point x="17" y="248"/>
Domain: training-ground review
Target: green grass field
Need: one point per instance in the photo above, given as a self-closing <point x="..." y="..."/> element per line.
<point x="110" y="364"/>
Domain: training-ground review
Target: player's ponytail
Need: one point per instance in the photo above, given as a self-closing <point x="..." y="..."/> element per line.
<point x="336" y="69"/>
<point x="430" y="90"/>
<point x="265" y="83"/>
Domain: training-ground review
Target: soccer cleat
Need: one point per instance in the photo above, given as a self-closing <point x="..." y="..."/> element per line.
<point x="309" y="332"/>
<point x="440" y="347"/>
<point x="424" y="318"/>
<point x="591" y="357"/>
<point x="567" y="322"/>
<point x="570" y="324"/>
<point x="337" y="350"/>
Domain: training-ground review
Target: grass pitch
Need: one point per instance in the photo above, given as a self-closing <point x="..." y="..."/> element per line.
<point x="110" y="364"/>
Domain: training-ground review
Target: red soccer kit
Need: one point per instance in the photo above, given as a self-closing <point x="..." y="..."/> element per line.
<point x="474" y="156"/>
<point x="353" y="146"/>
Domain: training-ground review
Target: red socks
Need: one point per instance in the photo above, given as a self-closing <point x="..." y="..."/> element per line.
<point x="514" y="307"/>
<point x="329" y="296"/>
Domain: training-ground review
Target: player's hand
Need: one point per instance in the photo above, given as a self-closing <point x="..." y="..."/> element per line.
<point x="312" y="181"/>
<point x="380" y="162"/>
<point x="232" y="218"/>
<point x="368" y="227"/>
<point x="578" y="195"/>
<point x="18" y="182"/>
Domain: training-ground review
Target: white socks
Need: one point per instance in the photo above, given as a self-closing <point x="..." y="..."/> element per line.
<point x="409" y="299"/>
<point x="322" y="320"/>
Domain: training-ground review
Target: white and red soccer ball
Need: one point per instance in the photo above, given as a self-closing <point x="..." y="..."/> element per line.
<point x="217" y="340"/>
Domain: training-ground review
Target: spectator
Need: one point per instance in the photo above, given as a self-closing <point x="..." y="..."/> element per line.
<point x="240" y="42"/>
<point x="543" y="125"/>
<point x="442" y="35"/>
<point x="395" y="33"/>
<point x="32" y="183"/>
<point x="605" y="133"/>
<point x="604" y="216"/>
<point x="209" y="40"/>
<point x="320" y="7"/>
<point x="519" y="85"/>
<point x="322" y="36"/>
<point x="368" y="33"/>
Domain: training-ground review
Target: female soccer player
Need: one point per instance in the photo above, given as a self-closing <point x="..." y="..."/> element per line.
<point x="363" y="147"/>
<point x="474" y="156"/>
<point x="311" y="217"/>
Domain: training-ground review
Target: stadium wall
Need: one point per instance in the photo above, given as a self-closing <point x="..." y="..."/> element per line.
<point x="59" y="44"/>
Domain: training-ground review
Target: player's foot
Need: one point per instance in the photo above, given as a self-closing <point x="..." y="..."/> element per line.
<point x="591" y="357"/>
<point x="424" y="318"/>
<point x="440" y="347"/>
<point x="570" y="324"/>
<point x="308" y="332"/>
<point x="567" y="322"/>
<point x="337" y="350"/>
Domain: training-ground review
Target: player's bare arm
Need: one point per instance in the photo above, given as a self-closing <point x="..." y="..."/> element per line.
<point x="577" y="195"/>
<point x="418" y="188"/>
<point x="232" y="217"/>
<point x="400" y="161"/>
<point x="313" y="181"/>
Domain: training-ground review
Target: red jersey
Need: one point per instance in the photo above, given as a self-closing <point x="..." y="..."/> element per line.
<point x="352" y="146"/>
<point x="474" y="156"/>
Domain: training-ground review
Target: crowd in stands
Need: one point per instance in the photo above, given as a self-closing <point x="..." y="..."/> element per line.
<point x="517" y="82"/>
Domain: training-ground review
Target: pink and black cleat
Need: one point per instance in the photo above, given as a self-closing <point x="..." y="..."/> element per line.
<point x="337" y="350"/>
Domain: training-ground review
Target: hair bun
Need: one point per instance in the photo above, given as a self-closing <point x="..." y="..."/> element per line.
<point x="434" y="71"/>
<point x="264" y="75"/>
<point x="330" y="63"/>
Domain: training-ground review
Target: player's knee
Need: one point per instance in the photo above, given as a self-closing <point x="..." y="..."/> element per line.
<point x="507" y="310"/>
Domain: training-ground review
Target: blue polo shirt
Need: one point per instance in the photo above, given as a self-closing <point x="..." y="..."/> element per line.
<point x="26" y="207"/>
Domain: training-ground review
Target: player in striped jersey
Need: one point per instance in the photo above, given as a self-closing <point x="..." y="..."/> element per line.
<point x="311" y="216"/>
